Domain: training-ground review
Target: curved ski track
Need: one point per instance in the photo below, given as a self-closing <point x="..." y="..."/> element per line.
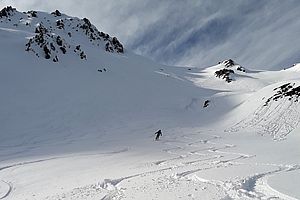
<point x="187" y="156"/>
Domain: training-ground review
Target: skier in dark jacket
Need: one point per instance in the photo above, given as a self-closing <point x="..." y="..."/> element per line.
<point x="158" y="134"/>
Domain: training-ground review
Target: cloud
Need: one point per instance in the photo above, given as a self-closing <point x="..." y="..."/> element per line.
<point x="255" y="33"/>
<point x="264" y="37"/>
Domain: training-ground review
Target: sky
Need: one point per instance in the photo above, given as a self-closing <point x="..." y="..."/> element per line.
<point x="258" y="34"/>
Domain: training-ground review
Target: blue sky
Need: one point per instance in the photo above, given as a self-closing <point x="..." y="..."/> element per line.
<point x="261" y="34"/>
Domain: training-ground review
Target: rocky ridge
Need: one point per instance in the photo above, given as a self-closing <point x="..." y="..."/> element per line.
<point x="229" y="68"/>
<point x="56" y="34"/>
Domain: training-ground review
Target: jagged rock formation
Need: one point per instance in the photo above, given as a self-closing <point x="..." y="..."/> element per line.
<point x="7" y="11"/>
<point x="230" y="68"/>
<point x="231" y="64"/>
<point x="56" y="13"/>
<point x="288" y="91"/>
<point x="225" y="74"/>
<point x="57" y="34"/>
<point x="228" y="63"/>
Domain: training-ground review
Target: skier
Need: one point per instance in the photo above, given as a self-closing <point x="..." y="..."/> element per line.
<point x="158" y="134"/>
<point x="206" y="103"/>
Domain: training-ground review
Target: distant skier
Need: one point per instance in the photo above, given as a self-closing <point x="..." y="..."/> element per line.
<point x="158" y="134"/>
<point x="206" y="103"/>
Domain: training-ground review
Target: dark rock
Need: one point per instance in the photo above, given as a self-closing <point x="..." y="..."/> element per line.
<point x="56" y="13"/>
<point x="59" y="41"/>
<point x="240" y="68"/>
<point x="224" y="74"/>
<point x="52" y="46"/>
<point x="228" y="63"/>
<point x="7" y="11"/>
<point x="288" y="91"/>
<point x="117" y="45"/>
<point x="63" y="49"/>
<point x="60" y="24"/>
<point x="32" y="13"/>
<point x="47" y="52"/>
<point x="55" y="59"/>
<point x="87" y="22"/>
<point x="41" y="29"/>
<point x="108" y="47"/>
<point x="82" y="55"/>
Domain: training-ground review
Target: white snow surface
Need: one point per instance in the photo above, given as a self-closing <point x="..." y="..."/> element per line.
<point x="84" y="128"/>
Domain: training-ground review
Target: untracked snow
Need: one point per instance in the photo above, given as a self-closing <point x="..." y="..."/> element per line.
<point x="82" y="127"/>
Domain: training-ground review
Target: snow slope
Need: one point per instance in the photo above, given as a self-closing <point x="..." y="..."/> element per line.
<point x="79" y="125"/>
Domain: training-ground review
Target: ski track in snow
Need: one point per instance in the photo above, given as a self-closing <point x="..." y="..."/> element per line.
<point x="256" y="186"/>
<point x="7" y="187"/>
<point x="265" y="119"/>
<point x="170" y="173"/>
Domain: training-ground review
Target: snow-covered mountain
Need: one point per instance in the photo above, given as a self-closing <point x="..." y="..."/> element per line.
<point x="57" y="34"/>
<point x="78" y="112"/>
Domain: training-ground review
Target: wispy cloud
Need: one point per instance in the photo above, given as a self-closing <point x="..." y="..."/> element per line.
<point x="256" y="33"/>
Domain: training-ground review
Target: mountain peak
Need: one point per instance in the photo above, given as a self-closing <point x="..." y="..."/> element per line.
<point x="227" y="68"/>
<point x="53" y="35"/>
<point x="7" y="11"/>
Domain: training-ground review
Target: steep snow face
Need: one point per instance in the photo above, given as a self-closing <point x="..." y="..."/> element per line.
<point x="51" y="93"/>
<point x="265" y="102"/>
<point x="275" y="110"/>
<point x="50" y="36"/>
